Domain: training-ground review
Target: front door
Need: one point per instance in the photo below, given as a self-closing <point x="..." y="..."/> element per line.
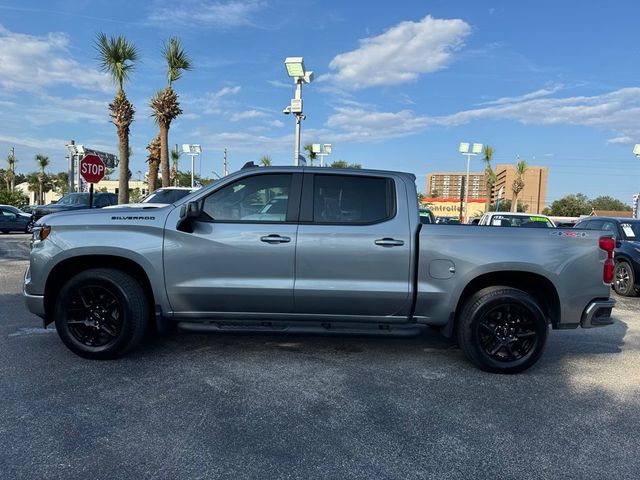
<point x="239" y="256"/>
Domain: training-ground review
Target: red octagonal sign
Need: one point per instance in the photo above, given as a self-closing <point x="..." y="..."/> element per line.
<point x="92" y="168"/>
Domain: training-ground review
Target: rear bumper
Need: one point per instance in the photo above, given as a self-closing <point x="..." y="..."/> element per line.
<point x="597" y="313"/>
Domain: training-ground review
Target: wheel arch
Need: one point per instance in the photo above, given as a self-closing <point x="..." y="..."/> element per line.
<point x="69" y="267"/>
<point x="536" y="285"/>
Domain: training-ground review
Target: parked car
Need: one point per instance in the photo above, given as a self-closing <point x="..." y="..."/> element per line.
<point x="516" y="219"/>
<point x="346" y="253"/>
<point x="426" y="216"/>
<point x="76" y="201"/>
<point x="168" y="194"/>
<point x="12" y="219"/>
<point x="626" y="232"/>
<point x="448" y="220"/>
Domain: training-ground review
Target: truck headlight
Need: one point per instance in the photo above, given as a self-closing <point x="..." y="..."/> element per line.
<point x="40" y="232"/>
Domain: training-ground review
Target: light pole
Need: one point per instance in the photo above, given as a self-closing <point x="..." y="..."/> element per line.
<point x="469" y="152"/>
<point x="321" y="151"/>
<point x="193" y="150"/>
<point x="295" y="69"/>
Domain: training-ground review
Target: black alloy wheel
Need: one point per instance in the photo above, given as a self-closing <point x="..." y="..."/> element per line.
<point x="624" y="279"/>
<point x="101" y="313"/>
<point x="502" y="329"/>
<point x="93" y="315"/>
<point x="507" y="332"/>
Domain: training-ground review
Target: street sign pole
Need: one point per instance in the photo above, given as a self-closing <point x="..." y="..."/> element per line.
<point x="91" y="195"/>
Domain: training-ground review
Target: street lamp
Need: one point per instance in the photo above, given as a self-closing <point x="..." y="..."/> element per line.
<point x="193" y="150"/>
<point x="469" y="151"/>
<point x="321" y="151"/>
<point x="295" y="69"/>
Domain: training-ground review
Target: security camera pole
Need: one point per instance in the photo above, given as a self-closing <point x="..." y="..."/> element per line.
<point x="295" y="69"/>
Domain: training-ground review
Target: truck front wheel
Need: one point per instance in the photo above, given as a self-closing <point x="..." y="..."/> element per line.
<point x="502" y="330"/>
<point x="101" y="313"/>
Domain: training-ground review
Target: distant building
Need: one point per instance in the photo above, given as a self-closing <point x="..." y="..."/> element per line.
<point x="446" y="187"/>
<point x="449" y="185"/>
<point x="535" y="186"/>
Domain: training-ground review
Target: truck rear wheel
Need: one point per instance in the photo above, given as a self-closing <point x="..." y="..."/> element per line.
<point x="502" y="330"/>
<point x="101" y="313"/>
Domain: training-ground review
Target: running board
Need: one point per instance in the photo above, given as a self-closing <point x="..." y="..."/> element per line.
<point x="324" y="328"/>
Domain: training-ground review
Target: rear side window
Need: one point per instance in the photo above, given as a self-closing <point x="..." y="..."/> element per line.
<point x="350" y="199"/>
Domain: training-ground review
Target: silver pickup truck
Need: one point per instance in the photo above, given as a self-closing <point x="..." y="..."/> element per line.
<point x="313" y="249"/>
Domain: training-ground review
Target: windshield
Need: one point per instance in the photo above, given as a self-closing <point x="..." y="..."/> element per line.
<point x="166" y="196"/>
<point x="74" y="199"/>
<point x="631" y="230"/>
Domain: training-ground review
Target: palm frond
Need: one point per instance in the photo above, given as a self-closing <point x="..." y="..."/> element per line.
<point x="177" y="59"/>
<point x="116" y="56"/>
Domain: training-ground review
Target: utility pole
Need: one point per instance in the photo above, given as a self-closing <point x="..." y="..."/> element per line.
<point x="70" y="170"/>
<point x="225" y="170"/>
<point x="13" y="169"/>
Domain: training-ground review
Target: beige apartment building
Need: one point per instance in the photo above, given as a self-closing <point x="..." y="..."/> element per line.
<point x="534" y="193"/>
<point x="448" y="185"/>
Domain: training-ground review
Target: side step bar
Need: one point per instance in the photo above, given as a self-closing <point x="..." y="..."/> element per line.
<point x="324" y="328"/>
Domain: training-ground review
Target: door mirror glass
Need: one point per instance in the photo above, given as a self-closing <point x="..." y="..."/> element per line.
<point x="191" y="210"/>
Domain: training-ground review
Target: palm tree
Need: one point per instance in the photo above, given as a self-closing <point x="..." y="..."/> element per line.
<point x="165" y="102"/>
<point x="312" y="155"/>
<point x="153" y="159"/>
<point x="175" y="156"/>
<point x="518" y="183"/>
<point x="489" y="174"/>
<point x="265" y="161"/>
<point x="117" y="56"/>
<point x="10" y="176"/>
<point x="43" y="162"/>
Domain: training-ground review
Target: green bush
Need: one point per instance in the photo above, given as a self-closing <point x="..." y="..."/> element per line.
<point x="17" y="199"/>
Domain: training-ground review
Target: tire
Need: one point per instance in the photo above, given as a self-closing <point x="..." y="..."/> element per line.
<point x="101" y="313"/>
<point x="624" y="279"/>
<point x="502" y="330"/>
<point x="28" y="228"/>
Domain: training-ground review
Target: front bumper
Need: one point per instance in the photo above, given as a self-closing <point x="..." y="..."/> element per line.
<point x="35" y="303"/>
<point x="597" y="313"/>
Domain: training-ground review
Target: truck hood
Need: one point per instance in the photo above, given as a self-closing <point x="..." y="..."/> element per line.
<point x="124" y="215"/>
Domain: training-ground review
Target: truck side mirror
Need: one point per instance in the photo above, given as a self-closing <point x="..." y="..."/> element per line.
<point x="188" y="212"/>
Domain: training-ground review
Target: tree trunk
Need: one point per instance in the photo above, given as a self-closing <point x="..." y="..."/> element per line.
<point x="164" y="155"/>
<point x="152" y="178"/>
<point x="514" y="202"/>
<point x="123" y="178"/>
<point x="40" y="201"/>
<point x="487" y="202"/>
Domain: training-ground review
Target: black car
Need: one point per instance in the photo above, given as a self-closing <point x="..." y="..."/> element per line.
<point x="76" y="201"/>
<point x="626" y="231"/>
<point x="13" y="219"/>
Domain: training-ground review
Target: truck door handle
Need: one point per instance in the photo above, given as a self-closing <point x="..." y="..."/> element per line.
<point x="389" y="242"/>
<point x="273" y="238"/>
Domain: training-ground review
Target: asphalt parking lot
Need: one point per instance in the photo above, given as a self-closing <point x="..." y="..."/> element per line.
<point x="278" y="406"/>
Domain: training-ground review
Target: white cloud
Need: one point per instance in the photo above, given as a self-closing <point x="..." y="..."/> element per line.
<point x="279" y="84"/>
<point x="246" y="115"/>
<point x="400" y="54"/>
<point x="31" y="63"/>
<point x="246" y="142"/>
<point x="196" y="13"/>
<point x="617" y="112"/>
<point x="543" y="92"/>
<point x="213" y="100"/>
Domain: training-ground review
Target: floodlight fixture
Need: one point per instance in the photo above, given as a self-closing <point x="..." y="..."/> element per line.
<point x="316" y="148"/>
<point x="468" y="150"/>
<point x="294" y="66"/>
<point x="636" y="150"/>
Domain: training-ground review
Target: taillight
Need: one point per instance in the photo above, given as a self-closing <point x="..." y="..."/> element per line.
<point x="607" y="244"/>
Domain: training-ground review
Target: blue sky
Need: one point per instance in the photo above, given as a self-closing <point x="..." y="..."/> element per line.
<point x="398" y="84"/>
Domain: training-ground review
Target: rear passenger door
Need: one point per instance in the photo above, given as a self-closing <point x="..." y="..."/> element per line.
<point x="354" y="246"/>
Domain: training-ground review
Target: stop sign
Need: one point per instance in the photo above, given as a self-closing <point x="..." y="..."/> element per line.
<point x="92" y="168"/>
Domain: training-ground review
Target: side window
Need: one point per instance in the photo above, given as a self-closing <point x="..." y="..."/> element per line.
<point x="260" y="198"/>
<point x="610" y="227"/>
<point x="595" y="225"/>
<point x="352" y="199"/>
<point x="101" y="201"/>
